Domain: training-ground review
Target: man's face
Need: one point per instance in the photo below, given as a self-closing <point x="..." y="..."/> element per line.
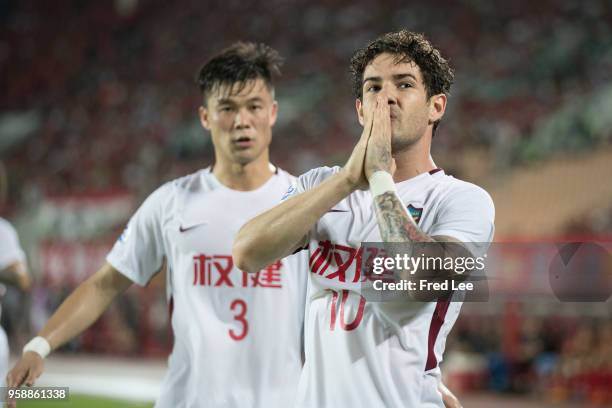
<point x="240" y="122"/>
<point x="411" y="111"/>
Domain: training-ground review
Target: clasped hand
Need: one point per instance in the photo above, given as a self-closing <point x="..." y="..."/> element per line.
<point x="373" y="151"/>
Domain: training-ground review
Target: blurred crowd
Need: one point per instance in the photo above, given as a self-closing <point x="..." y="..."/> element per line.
<point x="104" y="92"/>
<point x="101" y="96"/>
<point x="596" y="221"/>
<point x="560" y="358"/>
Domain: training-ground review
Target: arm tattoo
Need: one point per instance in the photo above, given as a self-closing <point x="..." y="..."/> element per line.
<point x="397" y="226"/>
<point x="394" y="223"/>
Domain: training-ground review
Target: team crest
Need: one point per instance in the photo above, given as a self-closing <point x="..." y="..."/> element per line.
<point x="415" y="213"/>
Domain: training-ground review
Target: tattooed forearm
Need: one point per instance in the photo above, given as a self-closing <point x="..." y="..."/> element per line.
<point x="394" y="223"/>
<point x="397" y="226"/>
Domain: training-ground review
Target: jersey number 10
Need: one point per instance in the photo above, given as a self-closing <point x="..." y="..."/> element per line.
<point x="343" y="325"/>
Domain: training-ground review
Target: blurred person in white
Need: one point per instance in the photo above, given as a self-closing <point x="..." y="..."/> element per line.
<point x="13" y="266"/>
<point x="237" y="337"/>
<point x="362" y="353"/>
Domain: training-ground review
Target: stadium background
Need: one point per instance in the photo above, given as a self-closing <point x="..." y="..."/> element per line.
<point x="98" y="106"/>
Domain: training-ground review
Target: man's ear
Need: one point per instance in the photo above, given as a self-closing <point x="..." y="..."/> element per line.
<point x="203" y="112"/>
<point x="437" y="106"/>
<point x="359" y="109"/>
<point x="273" y="113"/>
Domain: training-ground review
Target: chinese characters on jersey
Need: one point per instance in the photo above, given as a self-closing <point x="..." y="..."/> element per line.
<point x="218" y="271"/>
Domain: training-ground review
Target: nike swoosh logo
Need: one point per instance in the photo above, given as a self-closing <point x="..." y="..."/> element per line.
<point x="334" y="210"/>
<point x="185" y="229"/>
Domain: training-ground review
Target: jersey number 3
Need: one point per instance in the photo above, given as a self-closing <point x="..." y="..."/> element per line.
<point x="240" y="307"/>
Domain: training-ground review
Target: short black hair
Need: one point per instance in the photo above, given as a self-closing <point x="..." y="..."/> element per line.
<point x="238" y="64"/>
<point x="407" y="46"/>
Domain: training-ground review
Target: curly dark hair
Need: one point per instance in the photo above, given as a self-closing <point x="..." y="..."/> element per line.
<point x="238" y="64"/>
<point x="407" y="46"/>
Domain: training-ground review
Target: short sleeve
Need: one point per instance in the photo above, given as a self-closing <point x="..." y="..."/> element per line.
<point x="139" y="252"/>
<point x="10" y="249"/>
<point x="306" y="182"/>
<point x="309" y="180"/>
<point x="467" y="214"/>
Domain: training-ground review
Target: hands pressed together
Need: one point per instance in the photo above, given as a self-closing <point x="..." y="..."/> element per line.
<point x="373" y="151"/>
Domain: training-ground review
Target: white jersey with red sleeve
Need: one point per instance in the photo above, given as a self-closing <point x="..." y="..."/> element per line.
<point x="237" y="336"/>
<point x="380" y="354"/>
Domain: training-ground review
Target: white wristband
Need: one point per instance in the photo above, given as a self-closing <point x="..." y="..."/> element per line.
<point x="38" y="345"/>
<point x="381" y="182"/>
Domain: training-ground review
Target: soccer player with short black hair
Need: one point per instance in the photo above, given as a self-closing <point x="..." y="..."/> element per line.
<point x="237" y="336"/>
<point x="361" y="353"/>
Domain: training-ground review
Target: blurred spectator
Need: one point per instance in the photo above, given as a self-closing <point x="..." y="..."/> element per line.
<point x="560" y="358"/>
<point x="111" y="84"/>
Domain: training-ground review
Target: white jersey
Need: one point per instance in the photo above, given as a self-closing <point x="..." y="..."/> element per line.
<point x="237" y="336"/>
<point x="375" y="354"/>
<point x="10" y="252"/>
<point x="10" y="249"/>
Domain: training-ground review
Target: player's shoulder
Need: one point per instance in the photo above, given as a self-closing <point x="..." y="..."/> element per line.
<point x="171" y="192"/>
<point x="460" y="190"/>
<point x="204" y="180"/>
<point x="6" y="227"/>
<point x="197" y="182"/>
<point x="284" y="177"/>
<point x="317" y="175"/>
<point x="4" y="223"/>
